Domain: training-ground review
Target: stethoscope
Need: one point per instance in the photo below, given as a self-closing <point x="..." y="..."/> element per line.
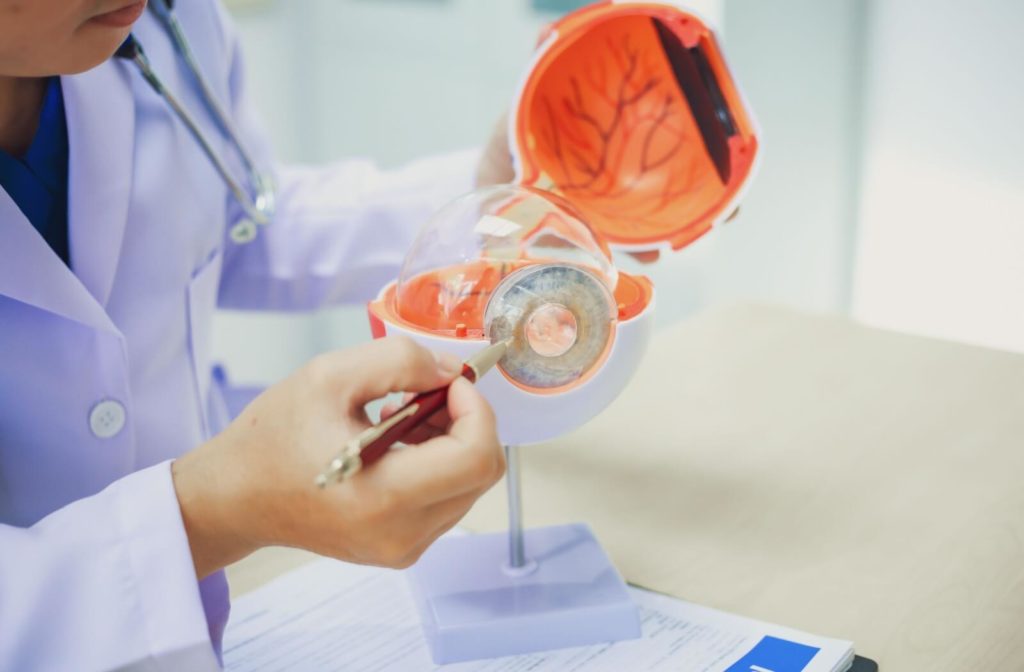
<point x="258" y="206"/>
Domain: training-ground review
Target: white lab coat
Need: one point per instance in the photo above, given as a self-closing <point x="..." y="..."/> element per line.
<point x="105" y="372"/>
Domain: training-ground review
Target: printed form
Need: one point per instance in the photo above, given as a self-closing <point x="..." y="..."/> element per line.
<point x="328" y="615"/>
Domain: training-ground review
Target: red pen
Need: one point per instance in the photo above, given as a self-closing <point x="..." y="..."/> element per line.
<point x="374" y="442"/>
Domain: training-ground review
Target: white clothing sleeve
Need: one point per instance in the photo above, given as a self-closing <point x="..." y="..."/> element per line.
<point x="106" y="582"/>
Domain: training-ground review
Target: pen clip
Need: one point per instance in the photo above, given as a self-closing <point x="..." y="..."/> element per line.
<point x="348" y="462"/>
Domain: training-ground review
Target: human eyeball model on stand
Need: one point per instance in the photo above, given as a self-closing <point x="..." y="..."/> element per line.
<point x="510" y="262"/>
<point x="627" y="131"/>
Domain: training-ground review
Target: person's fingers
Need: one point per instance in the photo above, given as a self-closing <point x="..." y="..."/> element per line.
<point x="387" y="410"/>
<point x="382" y="366"/>
<point x="438" y="519"/>
<point x="495" y="165"/>
<point x="439" y="422"/>
<point x="427" y="431"/>
<point x="436" y="425"/>
<point x="472" y="420"/>
<point x="544" y="33"/>
<point x="464" y="460"/>
<point x="436" y="470"/>
<point x="390" y="408"/>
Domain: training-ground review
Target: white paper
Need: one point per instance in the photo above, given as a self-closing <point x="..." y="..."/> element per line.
<point x="328" y="615"/>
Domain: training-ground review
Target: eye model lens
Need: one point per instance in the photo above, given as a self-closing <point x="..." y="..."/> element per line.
<point x="558" y="319"/>
<point x="551" y="330"/>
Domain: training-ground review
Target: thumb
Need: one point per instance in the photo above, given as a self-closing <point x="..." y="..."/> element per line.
<point x="472" y="418"/>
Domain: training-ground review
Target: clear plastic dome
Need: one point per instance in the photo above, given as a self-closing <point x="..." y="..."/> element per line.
<point x="471" y="244"/>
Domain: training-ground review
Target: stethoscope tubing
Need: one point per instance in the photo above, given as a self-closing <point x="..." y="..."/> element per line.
<point x="258" y="209"/>
<point x="173" y="26"/>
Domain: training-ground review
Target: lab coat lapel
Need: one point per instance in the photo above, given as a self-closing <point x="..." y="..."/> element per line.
<point x="100" y="109"/>
<point x="31" y="272"/>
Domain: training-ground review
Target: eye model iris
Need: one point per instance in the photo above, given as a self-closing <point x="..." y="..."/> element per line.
<point x="551" y="330"/>
<point x="558" y="319"/>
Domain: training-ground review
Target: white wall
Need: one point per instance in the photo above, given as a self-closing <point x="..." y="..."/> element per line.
<point x="941" y="249"/>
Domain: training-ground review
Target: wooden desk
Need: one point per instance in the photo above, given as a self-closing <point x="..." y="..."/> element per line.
<point x="806" y="471"/>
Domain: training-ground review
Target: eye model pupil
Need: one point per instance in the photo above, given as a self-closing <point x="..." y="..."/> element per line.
<point x="551" y="330"/>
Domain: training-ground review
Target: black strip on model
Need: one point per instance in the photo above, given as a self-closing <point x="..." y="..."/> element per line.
<point x="699" y="86"/>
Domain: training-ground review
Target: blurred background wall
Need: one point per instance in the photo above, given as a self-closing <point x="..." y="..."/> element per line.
<point x="891" y="187"/>
<point x="940" y="236"/>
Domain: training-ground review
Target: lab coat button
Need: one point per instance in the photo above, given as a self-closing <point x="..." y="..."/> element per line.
<point x="107" y="418"/>
<point x="243" y="232"/>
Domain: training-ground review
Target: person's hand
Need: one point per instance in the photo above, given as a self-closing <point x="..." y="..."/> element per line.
<point x="253" y="485"/>
<point x="495" y="165"/>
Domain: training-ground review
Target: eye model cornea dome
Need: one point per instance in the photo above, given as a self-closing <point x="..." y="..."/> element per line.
<point x="523" y="260"/>
<point x="630" y="113"/>
<point x="472" y="244"/>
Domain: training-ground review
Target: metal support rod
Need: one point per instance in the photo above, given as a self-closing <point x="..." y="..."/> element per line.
<point x="516" y="549"/>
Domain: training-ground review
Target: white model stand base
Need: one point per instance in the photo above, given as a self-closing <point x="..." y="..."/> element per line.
<point x="491" y="595"/>
<point x="473" y="605"/>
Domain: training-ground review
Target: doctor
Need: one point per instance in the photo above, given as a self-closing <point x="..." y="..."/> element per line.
<point x="122" y="494"/>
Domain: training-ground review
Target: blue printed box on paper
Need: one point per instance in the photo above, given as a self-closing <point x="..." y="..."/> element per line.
<point x="775" y="655"/>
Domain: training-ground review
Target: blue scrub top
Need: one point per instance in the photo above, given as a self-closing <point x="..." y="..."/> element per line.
<point x="38" y="181"/>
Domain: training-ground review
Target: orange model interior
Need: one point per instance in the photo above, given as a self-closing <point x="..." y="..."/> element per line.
<point x="451" y="301"/>
<point x="631" y="115"/>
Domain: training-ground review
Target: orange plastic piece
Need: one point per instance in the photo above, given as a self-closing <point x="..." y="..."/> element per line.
<point x="434" y="302"/>
<point x="377" y="328"/>
<point x="442" y="300"/>
<point x="632" y="294"/>
<point x="603" y="122"/>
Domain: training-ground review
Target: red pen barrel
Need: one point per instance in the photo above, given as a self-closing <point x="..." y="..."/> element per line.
<point x="419" y="409"/>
